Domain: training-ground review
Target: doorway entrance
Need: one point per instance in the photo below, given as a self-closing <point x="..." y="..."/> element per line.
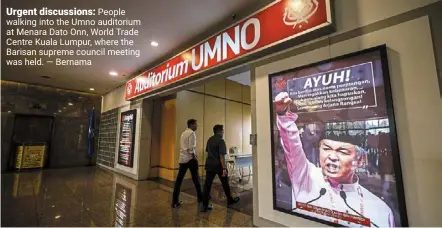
<point x="224" y="100"/>
<point x="31" y="129"/>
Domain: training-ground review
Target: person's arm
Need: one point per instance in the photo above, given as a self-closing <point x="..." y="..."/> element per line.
<point x="222" y="154"/>
<point x="297" y="163"/>
<point x="192" y="144"/>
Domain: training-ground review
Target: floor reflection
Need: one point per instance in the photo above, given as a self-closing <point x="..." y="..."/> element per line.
<point x="243" y="189"/>
<point x="123" y="197"/>
<point x="85" y="197"/>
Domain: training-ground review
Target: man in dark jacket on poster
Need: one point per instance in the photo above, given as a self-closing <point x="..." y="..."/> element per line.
<point x="216" y="165"/>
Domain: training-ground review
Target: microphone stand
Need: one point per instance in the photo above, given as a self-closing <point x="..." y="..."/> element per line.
<point x="344" y="197"/>
<point x="321" y="193"/>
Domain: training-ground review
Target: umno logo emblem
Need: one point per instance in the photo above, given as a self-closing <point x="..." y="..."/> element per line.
<point x="299" y="11"/>
<point x="129" y="89"/>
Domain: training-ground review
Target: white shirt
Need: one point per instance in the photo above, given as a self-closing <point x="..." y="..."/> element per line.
<point x="307" y="181"/>
<point x="187" y="146"/>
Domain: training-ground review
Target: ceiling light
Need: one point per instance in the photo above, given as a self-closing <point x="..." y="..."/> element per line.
<point x="70" y="104"/>
<point x="91" y="89"/>
<point x="113" y="73"/>
<point x="59" y="110"/>
<point x="154" y="43"/>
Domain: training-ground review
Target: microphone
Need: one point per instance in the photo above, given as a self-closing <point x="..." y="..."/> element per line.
<point x="321" y="193"/>
<point x="344" y="197"/>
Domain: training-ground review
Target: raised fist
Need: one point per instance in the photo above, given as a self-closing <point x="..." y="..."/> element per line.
<point x="282" y="102"/>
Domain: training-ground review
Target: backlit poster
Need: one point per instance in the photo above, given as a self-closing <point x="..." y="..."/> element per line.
<point x="334" y="147"/>
<point x="30" y="156"/>
<point x="127" y="138"/>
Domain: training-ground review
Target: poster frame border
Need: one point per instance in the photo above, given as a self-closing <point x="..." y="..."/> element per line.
<point x="392" y="126"/>
<point x="132" y="148"/>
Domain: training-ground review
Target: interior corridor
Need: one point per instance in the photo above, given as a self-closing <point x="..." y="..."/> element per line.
<point x="92" y="196"/>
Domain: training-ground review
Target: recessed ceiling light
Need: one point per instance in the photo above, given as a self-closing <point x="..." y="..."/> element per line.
<point x="91" y="89"/>
<point x="113" y="73"/>
<point x="70" y="104"/>
<point x="154" y="43"/>
<point x="59" y="110"/>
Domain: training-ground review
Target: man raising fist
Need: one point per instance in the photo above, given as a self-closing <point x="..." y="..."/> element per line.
<point x="334" y="185"/>
<point x="282" y="102"/>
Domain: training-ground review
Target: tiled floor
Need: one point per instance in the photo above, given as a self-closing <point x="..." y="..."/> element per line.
<point x="242" y="189"/>
<point x="94" y="197"/>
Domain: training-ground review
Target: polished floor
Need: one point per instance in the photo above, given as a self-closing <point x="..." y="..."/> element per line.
<point x="242" y="189"/>
<point x="90" y="196"/>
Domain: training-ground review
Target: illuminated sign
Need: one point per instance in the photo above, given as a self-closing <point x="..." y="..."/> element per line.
<point x="276" y="23"/>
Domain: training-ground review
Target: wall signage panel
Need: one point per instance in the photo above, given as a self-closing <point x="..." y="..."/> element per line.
<point x="276" y="23"/>
<point x="127" y="138"/>
<point x="30" y="156"/>
<point x="334" y="148"/>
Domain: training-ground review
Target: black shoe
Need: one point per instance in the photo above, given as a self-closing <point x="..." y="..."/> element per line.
<point x="233" y="201"/>
<point x="174" y="205"/>
<point x="207" y="208"/>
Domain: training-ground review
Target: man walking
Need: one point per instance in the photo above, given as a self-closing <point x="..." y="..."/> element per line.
<point x="188" y="160"/>
<point x="216" y="165"/>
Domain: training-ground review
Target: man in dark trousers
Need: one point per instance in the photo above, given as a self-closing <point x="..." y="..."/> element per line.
<point x="188" y="160"/>
<point x="216" y="165"/>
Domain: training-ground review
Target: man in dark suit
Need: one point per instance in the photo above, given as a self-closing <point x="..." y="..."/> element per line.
<point x="216" y="165"/>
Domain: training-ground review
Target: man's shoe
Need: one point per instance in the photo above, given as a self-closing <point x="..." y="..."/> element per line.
<point x="233" y="201"/>
<point x="174" y="205"/>
<point x="207" y="208"/>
